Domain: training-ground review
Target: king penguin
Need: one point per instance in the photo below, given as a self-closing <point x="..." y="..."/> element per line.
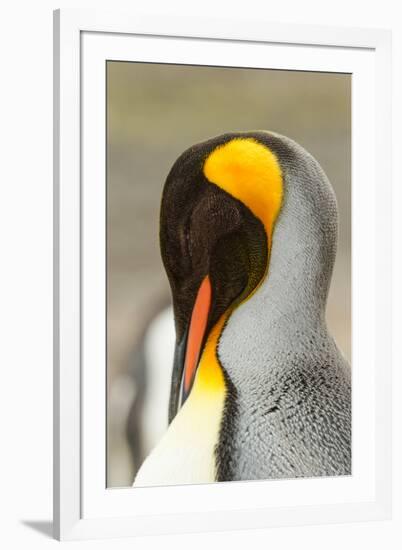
<point x="259" y="390"/>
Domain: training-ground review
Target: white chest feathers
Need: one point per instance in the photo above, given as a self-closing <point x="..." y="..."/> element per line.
<point x="186" y="452"/>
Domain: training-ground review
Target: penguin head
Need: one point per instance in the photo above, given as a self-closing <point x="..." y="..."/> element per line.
<point x="221" y="205"/>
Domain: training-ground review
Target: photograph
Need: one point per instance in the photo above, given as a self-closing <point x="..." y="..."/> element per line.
<point x="228" y="318"/>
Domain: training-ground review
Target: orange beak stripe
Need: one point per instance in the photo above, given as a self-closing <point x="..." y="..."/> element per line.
<point x="198" y="324"/>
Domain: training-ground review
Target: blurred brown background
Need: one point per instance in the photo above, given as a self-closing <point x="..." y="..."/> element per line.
<point x="154" y="113"/>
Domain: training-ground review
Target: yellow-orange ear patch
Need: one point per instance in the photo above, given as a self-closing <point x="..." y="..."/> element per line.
<point x="250" y="172"/>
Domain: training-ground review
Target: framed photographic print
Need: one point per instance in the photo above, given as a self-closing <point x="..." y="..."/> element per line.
<point x="223" y="297"/>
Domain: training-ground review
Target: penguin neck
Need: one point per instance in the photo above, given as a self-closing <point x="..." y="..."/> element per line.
<point x="301" y="261"/>
<point x="295" y="287"/>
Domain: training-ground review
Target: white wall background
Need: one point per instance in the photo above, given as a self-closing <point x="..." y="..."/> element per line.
<point x="26" y="272"/>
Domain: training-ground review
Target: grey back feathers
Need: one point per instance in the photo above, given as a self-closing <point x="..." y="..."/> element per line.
<point x="293" y="387"/>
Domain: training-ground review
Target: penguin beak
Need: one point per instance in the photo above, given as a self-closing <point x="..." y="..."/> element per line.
<point x="188" y="350"/>
<point x="196" y="335"/>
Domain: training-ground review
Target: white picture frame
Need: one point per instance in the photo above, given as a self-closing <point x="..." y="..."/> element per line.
<point x="83" y="506"/>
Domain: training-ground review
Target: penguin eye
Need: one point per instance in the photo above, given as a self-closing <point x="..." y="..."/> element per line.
<point x="183" y="240"/>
